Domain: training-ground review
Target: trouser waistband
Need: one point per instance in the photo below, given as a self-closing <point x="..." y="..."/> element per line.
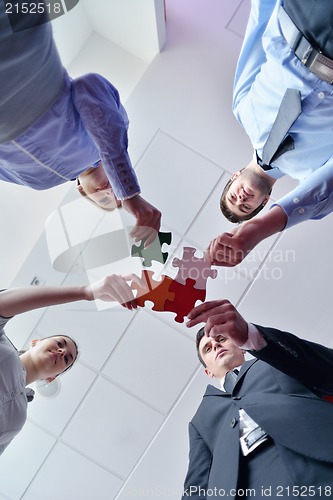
<point x="310" y="56"/>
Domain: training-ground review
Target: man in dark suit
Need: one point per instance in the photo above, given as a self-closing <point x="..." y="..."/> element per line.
<point x="271" y="434"/>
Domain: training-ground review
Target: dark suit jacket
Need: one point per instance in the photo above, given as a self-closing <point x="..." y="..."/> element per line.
<point x="282" y="391"/>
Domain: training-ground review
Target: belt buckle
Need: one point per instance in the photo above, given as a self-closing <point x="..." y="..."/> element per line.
<point x="321" y="66"/>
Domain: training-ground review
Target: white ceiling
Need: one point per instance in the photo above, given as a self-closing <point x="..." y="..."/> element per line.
<point x="118" y="427"/>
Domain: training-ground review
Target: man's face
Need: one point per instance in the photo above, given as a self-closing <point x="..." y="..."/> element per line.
<point x="96" y="186"/>
<point x="247" y="191"/>
<point x="220" y="355"/>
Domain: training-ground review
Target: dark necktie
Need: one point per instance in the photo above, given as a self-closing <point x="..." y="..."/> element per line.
<point x="230" y="380"/>
<point x="278" y="141"/>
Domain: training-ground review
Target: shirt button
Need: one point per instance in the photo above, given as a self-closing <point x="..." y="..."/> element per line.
<point x="321" y="95"/>
<point x="301" y="211"/>
<point x="233" y="422"/>
<point x="296" y="200"/>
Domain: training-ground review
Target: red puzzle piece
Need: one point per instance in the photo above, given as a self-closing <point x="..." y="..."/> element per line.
<point x="185" y="298"/>
<point x="195" y="268"/>
<point x="153" y="291"/>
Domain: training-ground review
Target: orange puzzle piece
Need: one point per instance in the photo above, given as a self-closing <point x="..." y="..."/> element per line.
<point x="154" y="291"/>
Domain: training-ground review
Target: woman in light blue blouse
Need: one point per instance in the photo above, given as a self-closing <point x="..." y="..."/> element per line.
<point x="46" y="358"/>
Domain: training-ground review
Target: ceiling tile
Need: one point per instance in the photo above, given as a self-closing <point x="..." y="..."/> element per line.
<point x="297" y="284"/>
<point x="185" y="187"/>
<point x="95" y="331"/>
<point x="53" y="414"/>
<point x="116" y="427"/>
<point x="27" y="451"/>
<point x="74" y="22"/>
<point x="162" y="472"/>
<point x="237" y="23"/>
<point x="147" y="349"/>
<point x="137" y="27"/>
<point x="76" y="478"/>
<point x="210" y="222"/>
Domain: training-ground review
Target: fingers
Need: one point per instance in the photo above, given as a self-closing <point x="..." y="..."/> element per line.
<point x="148" y="219"/>
<point x="222" y="319"/>
<point x="206" y="256"/>
<point x="225" y="251"/>
<point x="114" y="288"/>
<point x="217" y="326"/>
<point x="122" y="293"/>
<point x="151" y="237"/>
<point x="201" y="313"/>
<point x="136" y="279"/>
<point x="145" y="233"/>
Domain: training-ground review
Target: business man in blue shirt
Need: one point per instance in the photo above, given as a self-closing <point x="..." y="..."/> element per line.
<point x="287" y="45"/>
<point x="55" y="129"/>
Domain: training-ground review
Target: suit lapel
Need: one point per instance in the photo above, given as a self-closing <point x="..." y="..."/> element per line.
<point x="211" y="390"/>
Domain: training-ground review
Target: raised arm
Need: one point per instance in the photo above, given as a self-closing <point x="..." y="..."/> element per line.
<point x="106" y="121"/>
<point x="111" y="288"/>
<point x="309" y="362"/>
<point x="229" y="249"/>
<point x="312" y="199"/>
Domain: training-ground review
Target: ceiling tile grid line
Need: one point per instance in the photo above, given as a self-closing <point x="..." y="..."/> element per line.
<point x="98" y="375"/>
<point x="114" y="383"/>
<point x="165" y="422"/>
<point x="165" y="414"/>
<point x="60" y="438"/>
<point x="240" y="14"/>
<point x="63" y="440"/>
<point x="163" y="132"/>
<point x="34" y="486"/>
<point x="261" y="267"/>
<point x="127" y="342"/>
<point x="30" y="484"/>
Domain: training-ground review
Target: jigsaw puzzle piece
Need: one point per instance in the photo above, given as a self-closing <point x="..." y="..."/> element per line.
<point x="154" y="291"/>
<point x="185" y="297"/>
<point x="195" y="268"/>
<point x="154" y="251"/>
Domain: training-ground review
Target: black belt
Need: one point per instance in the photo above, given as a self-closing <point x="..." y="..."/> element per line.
<point x="310" y="56"/>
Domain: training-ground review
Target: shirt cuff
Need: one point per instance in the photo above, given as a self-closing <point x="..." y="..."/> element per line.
<point x="131" y="196"/>
<point x="255" y="340"/>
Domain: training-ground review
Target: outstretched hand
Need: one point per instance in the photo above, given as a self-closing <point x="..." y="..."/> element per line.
<point x="230" y="249"/>
<point x="221" y="318"/>
<point x="114" y="288"/>
<point x="148" y="219"/>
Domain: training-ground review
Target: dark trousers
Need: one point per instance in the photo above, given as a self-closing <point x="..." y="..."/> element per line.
<point x="314" y="18"/>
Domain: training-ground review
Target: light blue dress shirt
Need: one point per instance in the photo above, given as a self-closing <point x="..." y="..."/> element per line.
<point x="53" y="128"/>
<point x="266" y="68"/>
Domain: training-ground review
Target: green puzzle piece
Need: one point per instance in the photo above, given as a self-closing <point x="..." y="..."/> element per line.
<point x="154" y="251"/>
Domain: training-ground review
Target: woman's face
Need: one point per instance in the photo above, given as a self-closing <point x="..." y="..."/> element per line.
<point x="52" y="355"/>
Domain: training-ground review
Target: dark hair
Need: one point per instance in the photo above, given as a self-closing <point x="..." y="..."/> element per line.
<point x="200" y="334"/>
<point x="228" y="214"/>
<point x="76" y="348"/>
